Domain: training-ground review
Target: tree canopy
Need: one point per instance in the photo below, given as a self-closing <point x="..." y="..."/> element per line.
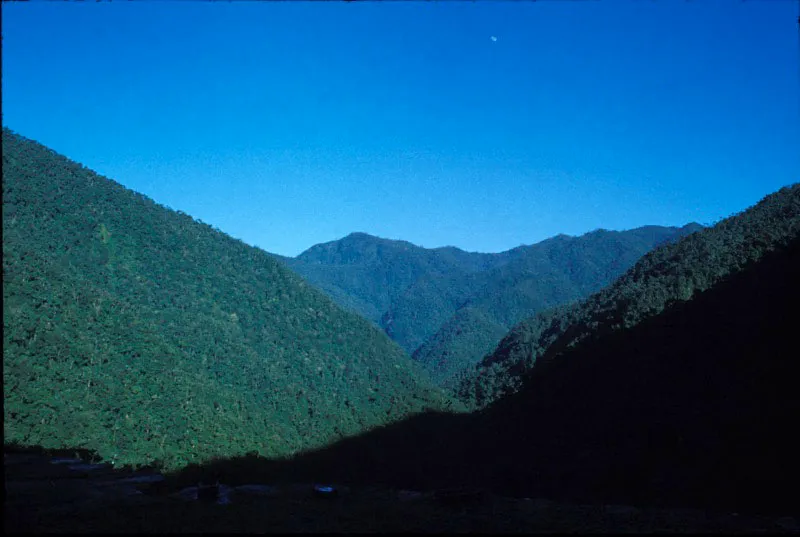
<point x="135" y="331"/>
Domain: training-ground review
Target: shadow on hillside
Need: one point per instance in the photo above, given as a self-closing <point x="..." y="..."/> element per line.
<point x="422" y="452"/>
<point x="694" y="408"/>
<point x="431" y="451"/>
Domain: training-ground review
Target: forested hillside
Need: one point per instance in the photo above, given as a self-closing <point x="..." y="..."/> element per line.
<point x="553" y="272"/>
<point x="415" y="294"/>
<point x="467" y="334"/>
<point x="673" y="272"/>
<point x="134" y="330"/>
<point x="694" y="406"/>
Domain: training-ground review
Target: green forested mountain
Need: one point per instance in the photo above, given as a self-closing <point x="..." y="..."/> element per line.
<point x="673" y="272"/>
<point x="563" y="268"/>
<point x="553" y="272"/>
<point x="368" y="274"/>
<point x="415" y="294"/>
<point x="135" y="331"/>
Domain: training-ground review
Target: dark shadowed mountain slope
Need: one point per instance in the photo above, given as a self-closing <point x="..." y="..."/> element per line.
<point x="135" y="331"/>
<point x="697" y="405"/>
<point x="673" y="272"/>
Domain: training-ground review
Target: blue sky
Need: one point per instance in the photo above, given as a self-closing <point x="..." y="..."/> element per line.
<point x="289" y="124"/>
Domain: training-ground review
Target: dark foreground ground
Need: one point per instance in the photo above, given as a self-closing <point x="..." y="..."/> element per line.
<point x="63" y="494"/>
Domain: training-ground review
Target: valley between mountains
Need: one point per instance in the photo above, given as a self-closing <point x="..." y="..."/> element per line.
<point x="448" y="308"/>
<point x="655" y="367"/>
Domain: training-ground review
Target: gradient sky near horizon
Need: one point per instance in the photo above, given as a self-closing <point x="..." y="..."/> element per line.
<point x="482" y="125"/>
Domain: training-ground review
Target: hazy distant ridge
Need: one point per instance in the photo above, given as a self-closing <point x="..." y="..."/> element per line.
<point x="415" y="294"/>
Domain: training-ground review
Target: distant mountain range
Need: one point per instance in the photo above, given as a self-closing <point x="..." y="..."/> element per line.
<point x="447" y="307"/>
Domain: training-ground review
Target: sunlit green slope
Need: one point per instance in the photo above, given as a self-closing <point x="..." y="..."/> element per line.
<point x="136" y="331"/>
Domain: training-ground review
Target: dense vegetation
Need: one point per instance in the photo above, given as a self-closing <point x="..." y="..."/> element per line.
<point x="367" y="274"/>
<point x="416" y="295"/>
<point x="693" y="407"/>
<point x="553" y="272"/>
<point x="135" y="331"/>
<point x="468" y="333"/>
<point x="673" y="272"/>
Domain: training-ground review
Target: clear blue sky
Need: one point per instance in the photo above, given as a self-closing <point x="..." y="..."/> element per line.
<point x="288" y="124"/>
